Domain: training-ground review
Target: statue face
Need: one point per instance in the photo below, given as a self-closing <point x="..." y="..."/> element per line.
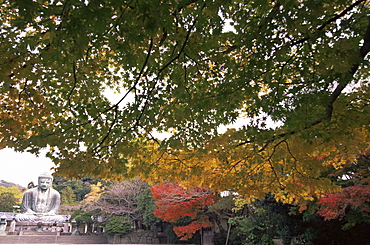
<point x="44" y="183"/>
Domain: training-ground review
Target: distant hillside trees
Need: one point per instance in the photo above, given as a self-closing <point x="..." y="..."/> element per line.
<point x="73" y="191"/>
<point x="10" y="184"/>
<point x="9" y="197"/>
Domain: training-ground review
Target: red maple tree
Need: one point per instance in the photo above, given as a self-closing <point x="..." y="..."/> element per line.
<point x="337" y="205"/>
<point x="353" y="202"/>
<point x="175" y="202"/>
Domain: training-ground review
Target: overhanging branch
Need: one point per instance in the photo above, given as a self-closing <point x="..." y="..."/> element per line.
<point x="363" y="51"/>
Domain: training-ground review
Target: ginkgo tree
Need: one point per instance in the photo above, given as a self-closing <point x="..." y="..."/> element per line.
<point x="187" y="68"/>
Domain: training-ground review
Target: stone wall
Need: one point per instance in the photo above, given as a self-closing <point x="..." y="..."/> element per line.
<point x="52" y="239"/>
<point x="138" y="237"/>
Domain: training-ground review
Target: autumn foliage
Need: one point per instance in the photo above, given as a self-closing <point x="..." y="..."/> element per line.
<point x="354" y="198"/>
<point x="248" y="96"/>
<point x="174" y="203"/>
<point x="336" y="205"/>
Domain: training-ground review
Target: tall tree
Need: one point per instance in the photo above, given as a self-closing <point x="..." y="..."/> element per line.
<point x="67" y="196"/>
<point x="79" y="187"/>
<point x="175" y="204"/>
<point x="127" y="202"/>
<point x="122" y="199"/>
<point x="179" y="70"/>
<point x="94" y="195"/>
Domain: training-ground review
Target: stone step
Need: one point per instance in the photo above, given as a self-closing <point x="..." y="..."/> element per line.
<point x="29" y="239"/>
<point x="37" y="233"/>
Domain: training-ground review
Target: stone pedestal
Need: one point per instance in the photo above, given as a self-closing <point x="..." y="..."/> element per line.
<point x="32" y="228"/>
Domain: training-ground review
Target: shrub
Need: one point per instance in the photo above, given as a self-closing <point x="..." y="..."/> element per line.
<point x="118" y="225"/>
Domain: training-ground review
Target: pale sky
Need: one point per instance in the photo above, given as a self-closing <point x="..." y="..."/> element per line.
<point x="22" y="168"/>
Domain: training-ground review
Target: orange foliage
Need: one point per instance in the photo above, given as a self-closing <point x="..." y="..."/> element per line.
<point x="175" y="202"/>
<point x="335" y="206"/>
<point x="186" y="232"/>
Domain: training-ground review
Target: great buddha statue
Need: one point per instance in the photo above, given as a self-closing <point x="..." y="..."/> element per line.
<point x="41" y="204"/>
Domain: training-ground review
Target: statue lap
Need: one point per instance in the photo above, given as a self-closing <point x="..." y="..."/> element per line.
<point x="22" y="217"/>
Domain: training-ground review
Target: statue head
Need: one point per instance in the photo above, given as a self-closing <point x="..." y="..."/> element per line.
<point x="45" y="181"/>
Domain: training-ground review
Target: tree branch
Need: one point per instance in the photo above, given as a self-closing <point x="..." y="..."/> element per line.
<point x="363" y="51"/>
<point x="73" y="88"/>
<point x="326" y="23"/>
<point x="117" y="104"/>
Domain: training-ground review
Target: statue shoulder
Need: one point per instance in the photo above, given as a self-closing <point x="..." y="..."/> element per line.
<point x="32" y="190"/>
<point x="54" y="192"/>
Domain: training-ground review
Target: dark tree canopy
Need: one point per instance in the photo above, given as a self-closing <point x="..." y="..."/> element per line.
<point x="178" y="69"/>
